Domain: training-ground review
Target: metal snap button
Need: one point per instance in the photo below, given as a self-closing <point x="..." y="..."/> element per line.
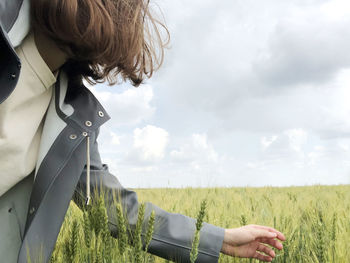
<point x="73" y="136"/>
<point x="13" y="76"/>
<point x="19" y="65"/>
<point x="88" y="123"/>
<point x="32" y="210"/>
<point x="101" y="114"/>
<point x="85" y="134"/>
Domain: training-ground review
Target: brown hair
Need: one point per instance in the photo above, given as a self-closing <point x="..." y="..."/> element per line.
<point x="104" y="39"/>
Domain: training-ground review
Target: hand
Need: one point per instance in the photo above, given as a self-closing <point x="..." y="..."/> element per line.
<point x="246" y="241"/>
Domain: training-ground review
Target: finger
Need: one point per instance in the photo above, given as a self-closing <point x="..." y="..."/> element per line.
<point x="261" y="233"/>
<point x="271" y="229"/>
<point x="280" y="235"/>
<point x="267" y="250"/>
<point x="271" y="241"/>
<point x="262" y="257"/>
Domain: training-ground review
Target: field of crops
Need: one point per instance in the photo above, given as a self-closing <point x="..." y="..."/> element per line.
<point x="314" y="219"/>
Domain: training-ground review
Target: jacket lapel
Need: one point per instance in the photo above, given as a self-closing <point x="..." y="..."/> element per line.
<point x="49" y="203"/>
<point x="73" y="114"/>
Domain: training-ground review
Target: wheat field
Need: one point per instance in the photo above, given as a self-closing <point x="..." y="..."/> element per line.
<point x="314" y="219"/>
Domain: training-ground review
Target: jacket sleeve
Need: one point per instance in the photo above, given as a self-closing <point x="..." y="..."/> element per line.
<point x="173" y="232"/>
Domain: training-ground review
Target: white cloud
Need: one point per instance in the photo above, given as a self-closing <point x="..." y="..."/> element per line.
<point x="315" y="156"/>
<point x="130" y="107"/>
<point x="115" y="138"/>
<point x="144" y="169"/>
<point x="286" y="146"/>
<point x="336" y="9"/>
<point x="301" y="51"/>
<point x="196" y="150"/>
<point x="150" y="143"/>
<point x="266" y="142"/>
<point x="297" y="138"/>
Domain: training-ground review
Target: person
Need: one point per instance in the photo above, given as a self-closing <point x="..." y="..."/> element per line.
<point x="49" y="124"/>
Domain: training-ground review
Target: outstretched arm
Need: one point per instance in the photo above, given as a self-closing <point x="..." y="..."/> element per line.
<point x="173" y="233"/>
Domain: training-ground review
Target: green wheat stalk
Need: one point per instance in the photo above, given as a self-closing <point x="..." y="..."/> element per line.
<point x="199" y="223"/>
<point x="150" y="229"/>
<point x="138" y="231"/>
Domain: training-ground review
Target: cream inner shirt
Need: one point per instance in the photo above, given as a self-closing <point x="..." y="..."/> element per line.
<point x="22" y="115"/>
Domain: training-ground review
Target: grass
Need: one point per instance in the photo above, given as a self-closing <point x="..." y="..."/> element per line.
<point x="314" y="219"/>
<point x="85" y="236"/>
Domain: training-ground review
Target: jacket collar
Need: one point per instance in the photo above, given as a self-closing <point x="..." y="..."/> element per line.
<point x="78" y="107"/>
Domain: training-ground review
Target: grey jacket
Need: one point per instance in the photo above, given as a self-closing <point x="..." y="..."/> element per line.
<point x="74" y="114"/>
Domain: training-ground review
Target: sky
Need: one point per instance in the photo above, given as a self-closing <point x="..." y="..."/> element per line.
<point x="251" y="93"/>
